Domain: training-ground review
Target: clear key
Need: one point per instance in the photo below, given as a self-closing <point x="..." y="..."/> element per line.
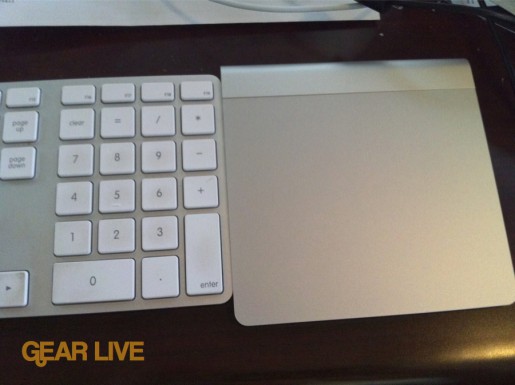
<point x="77" y="123"/>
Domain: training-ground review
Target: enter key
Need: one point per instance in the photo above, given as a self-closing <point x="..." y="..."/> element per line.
<point x="203" y="254"/>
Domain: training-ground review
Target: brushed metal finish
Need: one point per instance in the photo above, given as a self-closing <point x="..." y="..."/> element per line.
<point x="361" y="204"/>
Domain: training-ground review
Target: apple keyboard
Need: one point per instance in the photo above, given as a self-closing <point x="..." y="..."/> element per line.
<point x="112" y="195"/>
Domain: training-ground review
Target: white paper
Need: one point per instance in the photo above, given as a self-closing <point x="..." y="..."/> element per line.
<point x="159" y="12"/>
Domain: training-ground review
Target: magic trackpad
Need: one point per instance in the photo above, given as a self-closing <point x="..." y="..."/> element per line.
<point x="360" y="190"/>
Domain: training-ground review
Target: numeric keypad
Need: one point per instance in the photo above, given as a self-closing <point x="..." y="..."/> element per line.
<point x="130" y="174"/>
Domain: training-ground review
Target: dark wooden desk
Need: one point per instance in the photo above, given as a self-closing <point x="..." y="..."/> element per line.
<point x="206" y="345"/>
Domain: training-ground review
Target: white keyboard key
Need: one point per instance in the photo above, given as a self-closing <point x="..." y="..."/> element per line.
<point x="203" y="254"/>
<point x="72" y="238"/>
<point x="160" y="277"/>
<point x="116" y="236"/>
<point x="127" y="226"/>
<point x="93" y="281"/>
<point x="74" y="198"/>
<point x="75" y="160"/>
<point x="197" y="90"/>
<point x="159" y="233"/>
<point x="158" y="121"/>
<point x="118" y="122"/>
<point x="117" y="196"/>
<point x="23" y="97"/>
<point x="76" y="95"/>
<point x="118" y="93"/>
<point x="14" y="289"/>
<point x="20" y="126"/>
<point x="200" y="191"/>
<point x="18" y="163"/>
<point x="157" y="92"/>
<point x="159" y="194"/>
<point x="77" y="123"/>
<point x="198" y="119"/>
<point x="199" y="155"/>
<point x="117" y="158"/>
<point x="158" y="157"/>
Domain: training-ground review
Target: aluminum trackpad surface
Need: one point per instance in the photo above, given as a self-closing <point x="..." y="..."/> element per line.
<point x="360" y="190"/>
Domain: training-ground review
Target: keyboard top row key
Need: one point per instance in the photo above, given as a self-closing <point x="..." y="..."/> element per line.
<point x="23" y="97"/>
<point x="197" y="90"/>
<point x="77" y="95"/>
<point x="116" y="93"/>
<point x="157" y="92"/>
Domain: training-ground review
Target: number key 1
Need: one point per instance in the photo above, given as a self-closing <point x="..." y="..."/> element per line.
<point x="72" y="238"/>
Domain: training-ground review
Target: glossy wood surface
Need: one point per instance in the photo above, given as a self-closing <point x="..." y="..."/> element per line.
<point x="206" y="345"/>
